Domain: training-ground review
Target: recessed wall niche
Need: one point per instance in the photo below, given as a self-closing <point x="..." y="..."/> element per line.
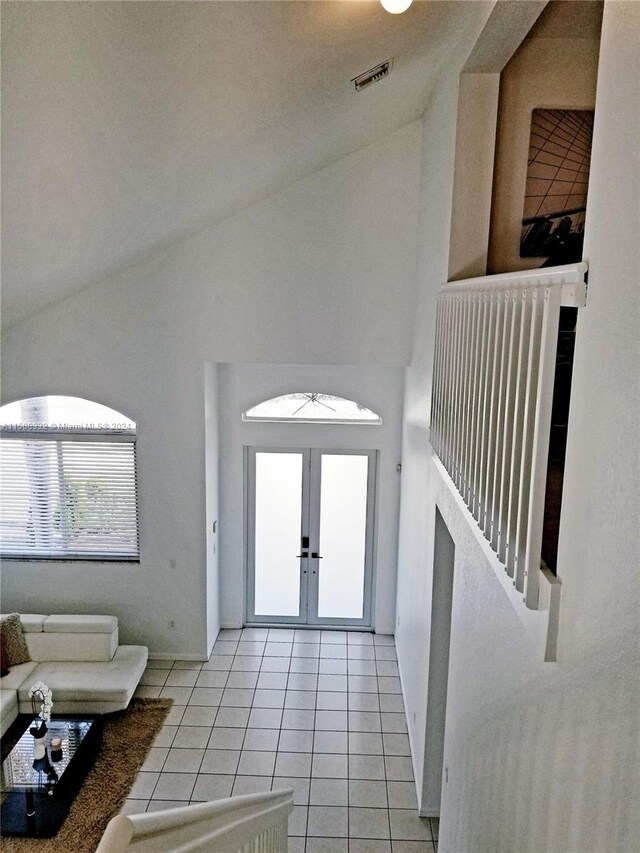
<point x="550" y="80"/>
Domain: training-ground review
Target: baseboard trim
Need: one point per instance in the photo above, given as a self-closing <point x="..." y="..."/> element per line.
<point x="174" y="656"/>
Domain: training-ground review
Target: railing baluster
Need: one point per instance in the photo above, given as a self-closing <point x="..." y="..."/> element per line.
<point x="503" y="390"/>
<point x="516" y="439"/>
<point x="486" y="405"/>
<point x="540" y="448"/>
<point x="528" y="423"/>
<point x="510" y="402"/>
<point x="498" y="310"/>
<point x="435" y="385"/>
<point x="468" y="426"/>
<point x="477" y="441"/>
<point x="494" y="358"/>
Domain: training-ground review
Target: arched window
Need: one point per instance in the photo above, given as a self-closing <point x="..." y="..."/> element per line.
<point x="68" y="486"/>
<point x="311" y="407"/>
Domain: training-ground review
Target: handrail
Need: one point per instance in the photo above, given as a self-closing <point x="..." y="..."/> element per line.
<point x="565" y="274"/>
<point x="255" y="822"/>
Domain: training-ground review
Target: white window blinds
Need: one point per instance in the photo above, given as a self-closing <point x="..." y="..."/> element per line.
<point x="68" y="497"/>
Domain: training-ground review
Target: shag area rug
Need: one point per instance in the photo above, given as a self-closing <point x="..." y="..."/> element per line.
<point x="126" y="739"/>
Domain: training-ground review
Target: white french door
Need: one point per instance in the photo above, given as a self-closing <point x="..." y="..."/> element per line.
<point x="309" y="536"/>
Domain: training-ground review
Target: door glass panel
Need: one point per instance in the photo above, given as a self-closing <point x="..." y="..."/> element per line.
<point x="343" y="520"/>
<point x="277" y="531"/>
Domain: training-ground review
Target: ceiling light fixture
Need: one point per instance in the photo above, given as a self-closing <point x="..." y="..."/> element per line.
<point x="396" y="6"/>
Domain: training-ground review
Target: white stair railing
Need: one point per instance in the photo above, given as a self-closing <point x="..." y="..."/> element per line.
<point x="256" y="823"/>
<point x="495" y="351"/>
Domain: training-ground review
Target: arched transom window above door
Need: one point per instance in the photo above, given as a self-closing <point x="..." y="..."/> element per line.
<point x="311" y="407"/>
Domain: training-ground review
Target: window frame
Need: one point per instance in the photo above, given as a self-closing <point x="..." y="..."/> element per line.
<point x="78" y="434"/>
<point x="292" y="419"/>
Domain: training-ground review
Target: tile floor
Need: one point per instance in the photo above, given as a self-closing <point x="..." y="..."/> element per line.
<point x="317" y="711"/>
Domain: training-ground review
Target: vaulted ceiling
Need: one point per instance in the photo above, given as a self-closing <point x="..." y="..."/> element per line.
<point x="128" y="125"/>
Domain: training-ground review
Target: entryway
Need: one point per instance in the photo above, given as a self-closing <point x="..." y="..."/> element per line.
<point x="309" y="536"/>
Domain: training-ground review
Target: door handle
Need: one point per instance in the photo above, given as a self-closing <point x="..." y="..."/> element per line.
<point x="316" y="556"/>
<point x="302" y="555"/>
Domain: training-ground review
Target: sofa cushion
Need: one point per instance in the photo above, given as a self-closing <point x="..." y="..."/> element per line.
<point x="72" y="645"/>
<point x="91" y="682"/>
<point x="18" y="674"/>
<point x="65" y="624"/>
<point x="12" y="640"/>
<point x="8" y="709"/>
<point x="32" y="622"/>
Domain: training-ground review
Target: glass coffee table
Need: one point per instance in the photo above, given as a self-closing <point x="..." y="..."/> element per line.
<point x="36" y="795"/>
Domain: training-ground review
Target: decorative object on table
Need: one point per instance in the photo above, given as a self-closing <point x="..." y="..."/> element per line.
<point x="557" y="181"/>
<point x="56" y="749"/>
<point x="12" y="640"/>
<point x="127" y="737"/>
<point x="40" y="693"/>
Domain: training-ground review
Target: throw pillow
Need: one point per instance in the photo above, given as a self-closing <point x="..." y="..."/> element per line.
<point x="4" y="666"/>
<point x="12" y="640"/>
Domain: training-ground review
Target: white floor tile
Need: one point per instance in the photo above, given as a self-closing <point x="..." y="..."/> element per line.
<point x="294" y="740"/>
<point x="155" y="758"/>
<point x="328" y="821"/>
<point x="199" y="715"/>
<point x="250" y="785"/>
<point x="205" y="695"/>
<point x="183" y="760"/>
<point x="226" y="738"/>
<point x="402" y="795"/>
<point x="365" y="792"/>
<point x="329" y="766"/>
<point x="331" y="701"/>
<point x="256" y="763"/>
<point x="174" y="786"/>
<point x="408" y="826"/>
<point x="300" y="787"/>
<point x="368" y="823"/>
<point x="269" y="698"/>
<point x="398" y="768"/>
<point x="220" y="761"/>
<point x="396" y="744"/>
<point x="212" y="678"/>
<point x="293" y="764"/>
<point x="191" y="736"/>
<point x="212" y="786"/>
<point x="246" y="680"/>
<point x="302" y="699"/>
<point x="261" y="740"/>
<point x="181" y="678"/>
<point x="332" y="742"/>
<point x="233" y="718"/>
<point x="265" y="718"/>
<point x="329" y="792"/>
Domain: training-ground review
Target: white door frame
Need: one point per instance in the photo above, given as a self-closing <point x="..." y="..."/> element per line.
<point x="309" y="566"/>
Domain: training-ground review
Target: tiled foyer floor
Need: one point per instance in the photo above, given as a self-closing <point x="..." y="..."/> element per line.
<point x="317" y="711"/>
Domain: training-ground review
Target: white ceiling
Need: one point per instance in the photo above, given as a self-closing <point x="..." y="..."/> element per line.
<point x="127" y="125"/>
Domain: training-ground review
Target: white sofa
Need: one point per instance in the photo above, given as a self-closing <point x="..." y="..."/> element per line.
<point x="79" y="658"/>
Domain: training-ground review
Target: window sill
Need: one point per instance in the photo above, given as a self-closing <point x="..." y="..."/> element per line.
<point x="14" y="558"/>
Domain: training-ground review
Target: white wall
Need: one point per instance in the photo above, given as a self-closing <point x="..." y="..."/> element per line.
<point x="543" y="756"/>
<point x="212" y="488"/>
<point x="417" y="507"/>
<point x="379" y="388"/>
<point x="311" y="275"/>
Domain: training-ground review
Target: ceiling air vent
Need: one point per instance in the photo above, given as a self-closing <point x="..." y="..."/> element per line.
<point x="378" y="72"/>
